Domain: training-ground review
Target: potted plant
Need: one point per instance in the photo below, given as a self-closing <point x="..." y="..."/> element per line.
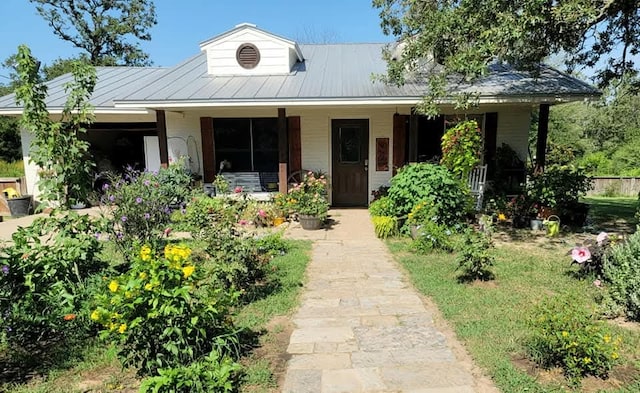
<point x="309" y="200"/>
<point x="19" y="205"/>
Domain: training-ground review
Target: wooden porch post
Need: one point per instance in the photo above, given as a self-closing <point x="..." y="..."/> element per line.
<point x="161" y="126"/>
<point x="283" y="150"/>
<point x="413" y="137"/>
<point x="543" y="131"/>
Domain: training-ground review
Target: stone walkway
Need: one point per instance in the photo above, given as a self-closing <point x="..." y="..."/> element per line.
<point x="362" y="327"/>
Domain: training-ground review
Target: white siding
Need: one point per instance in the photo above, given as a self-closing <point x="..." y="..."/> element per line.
<point x="513" y="129"/>
<point x="276" y="56"/>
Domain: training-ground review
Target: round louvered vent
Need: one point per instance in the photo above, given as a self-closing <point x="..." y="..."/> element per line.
<point x="248" y="56"/>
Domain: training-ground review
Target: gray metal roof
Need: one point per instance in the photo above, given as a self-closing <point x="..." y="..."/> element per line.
<point x="334" y="71"/>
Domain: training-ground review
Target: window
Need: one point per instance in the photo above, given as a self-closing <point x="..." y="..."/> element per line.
<point x="247" y="144"/>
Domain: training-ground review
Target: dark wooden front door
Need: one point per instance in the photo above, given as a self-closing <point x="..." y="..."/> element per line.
<point x="350" y="161"/>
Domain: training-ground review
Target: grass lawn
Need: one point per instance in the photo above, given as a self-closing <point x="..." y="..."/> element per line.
<point x="92" y="367"/>
<point x="613" y="214"/>
<point x="490" y="317"/>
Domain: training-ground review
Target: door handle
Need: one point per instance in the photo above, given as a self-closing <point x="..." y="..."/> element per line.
<point x="366" y="165"/>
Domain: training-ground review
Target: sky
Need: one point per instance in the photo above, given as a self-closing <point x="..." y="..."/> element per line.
<point x="183" y="24"/>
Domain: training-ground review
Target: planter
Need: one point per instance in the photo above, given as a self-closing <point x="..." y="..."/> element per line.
<point x="536" y="224"/>
<point x="415" y="231"/>
<point x="520" y="221"/>
<point x="20" y="206"/>
<point x="310" y="222"/>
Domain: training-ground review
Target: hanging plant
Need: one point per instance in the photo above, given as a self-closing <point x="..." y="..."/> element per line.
<point x="461" y="148"/>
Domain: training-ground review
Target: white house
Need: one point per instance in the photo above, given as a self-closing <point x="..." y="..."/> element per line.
<point x="252" y="101"/>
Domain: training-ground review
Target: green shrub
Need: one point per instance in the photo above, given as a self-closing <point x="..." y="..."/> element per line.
<point x="417" y="182"/>
<point x="382" y="206"/>
<point x="385" y="226"/>
<point x="140" y="204"/>
<point x="164" y="312"/>
<point x="47" y="276"/>
<point x="11" y="169"/>
<point x="203" y="212"/>
<point x="212" y="374"/>
<point x="622" y="271"/>
<point x="272" y="244"/>
<point x="558" y="187"/>
<point x="566" y="335"/>
<point x="433" y="236"/>
<point x="474" y="255"/>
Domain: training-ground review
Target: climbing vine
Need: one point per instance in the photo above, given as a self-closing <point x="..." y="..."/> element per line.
<point x="461" y="148"/>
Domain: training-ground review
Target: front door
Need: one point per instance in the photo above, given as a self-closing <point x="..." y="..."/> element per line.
<point x="350" y="161"/>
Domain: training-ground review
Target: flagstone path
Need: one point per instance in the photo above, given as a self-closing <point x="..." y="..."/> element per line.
<point x="362" y="327"/>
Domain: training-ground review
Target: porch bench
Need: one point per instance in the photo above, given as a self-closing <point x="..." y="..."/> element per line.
<point x="252" y="181"/>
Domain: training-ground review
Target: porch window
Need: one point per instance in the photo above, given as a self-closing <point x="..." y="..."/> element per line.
<point x="246" y="144"/>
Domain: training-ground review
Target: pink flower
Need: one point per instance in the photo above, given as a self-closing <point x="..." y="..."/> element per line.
<point x="261" y="213"/>
<point x="602" y="236"/>
<point x="237" y="190"/>
<point x="242" y="222"/>
<point x="580" y="254"/>
<point x="598" y="283"/>
<point x="167" y="232"/>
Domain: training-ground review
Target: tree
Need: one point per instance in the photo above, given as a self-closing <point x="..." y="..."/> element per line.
<point x="462" y="37"/>
<point x="57" y="149"/>
<point x="102" y="28"/>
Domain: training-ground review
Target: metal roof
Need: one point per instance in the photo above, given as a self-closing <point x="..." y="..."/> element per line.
<point x="329" y="72"/>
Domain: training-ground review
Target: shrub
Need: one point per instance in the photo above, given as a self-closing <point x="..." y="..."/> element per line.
<point x="272" y="244"/>
<point x="622" y="271"/>
<point x="417" y="182"/>
<point x="11" y="169"/>
<point x="139" y="207"/>
<point x="461" y="148"/>
<point x="47" y="276"/>
<point x="310" y="196"/>
<point x="175" y="183"/>
<point x="163" y="312"/>
<point x="474" y="255"/>
<point x="385" y="226"/>
<point x="566" y="335"/>
<point x="382" y="206"/>
<point x="590" y="256"/>
<point x="203" y="213"/>
<point x="214" y="373"/>
<point x="433" y="236"/>
<point x="558" y="186"/>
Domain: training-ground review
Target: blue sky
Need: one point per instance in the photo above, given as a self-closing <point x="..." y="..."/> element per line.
<point x="183" y="24"/>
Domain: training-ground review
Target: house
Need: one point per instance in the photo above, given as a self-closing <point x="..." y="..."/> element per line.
<point x="256" y="103"/>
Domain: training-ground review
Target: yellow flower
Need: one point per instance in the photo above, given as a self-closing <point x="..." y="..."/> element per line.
<point x="142" y="275"/>
<point x="188" y="270"/>
<point x="113" y="286"/>
<point x="586" y="360"/>
<point x="614" y="356"/>
<point x="565" y="334"/>
<point x="95" y="315"/>
<point x="145" y="253"/>
<point x="122" y="328"/>
<point x="607" y="338"/>
<point x="502" y="217"/>
<point x="128" y="294"/>
<point x="148" y="286"/>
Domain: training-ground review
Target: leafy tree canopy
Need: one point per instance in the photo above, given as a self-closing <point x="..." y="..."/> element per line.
<point x="465" y="36"/>
<point x="104" y="29"/>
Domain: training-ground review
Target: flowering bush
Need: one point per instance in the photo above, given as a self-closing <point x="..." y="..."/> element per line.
<point x="622" y="273"/>
<point x="139" y="205"/>
<point x="46" y="279"/>
<point x="162" y="311"/>
<point x="381" y="207"/>
<point x="590" y="255"/>
<point x="204" y="213"/>
<point x="565" y="334"/>
<point x="432" y="236"/>
<point x="422" y="212"/>
<point x="310" y="196"/>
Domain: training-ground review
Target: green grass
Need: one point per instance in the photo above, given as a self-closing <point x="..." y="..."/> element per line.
<point x="490" y="317"/>
<point x="612" y="211"/>
<point x="263" y="363"/>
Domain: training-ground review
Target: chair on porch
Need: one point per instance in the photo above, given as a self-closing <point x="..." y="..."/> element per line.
<point x="477" y="179"/>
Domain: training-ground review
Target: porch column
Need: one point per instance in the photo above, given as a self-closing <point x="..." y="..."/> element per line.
<point x="283" y="150"/>
<point x="543" y="131"/>
<point x="161" y="127"/>
<point x="413" y="137"/>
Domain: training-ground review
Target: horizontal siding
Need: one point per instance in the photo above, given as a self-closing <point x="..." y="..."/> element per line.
<point x="513" y="129"/>
<point x="275" y="56"/>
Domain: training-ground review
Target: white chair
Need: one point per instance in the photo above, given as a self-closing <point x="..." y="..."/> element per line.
<point x="477" y="179"/>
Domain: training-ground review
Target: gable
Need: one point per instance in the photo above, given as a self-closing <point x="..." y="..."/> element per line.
<point x="247" y="50"/>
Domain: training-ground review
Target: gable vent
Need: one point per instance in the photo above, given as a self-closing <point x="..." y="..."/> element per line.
<point x="248" y="56"/>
